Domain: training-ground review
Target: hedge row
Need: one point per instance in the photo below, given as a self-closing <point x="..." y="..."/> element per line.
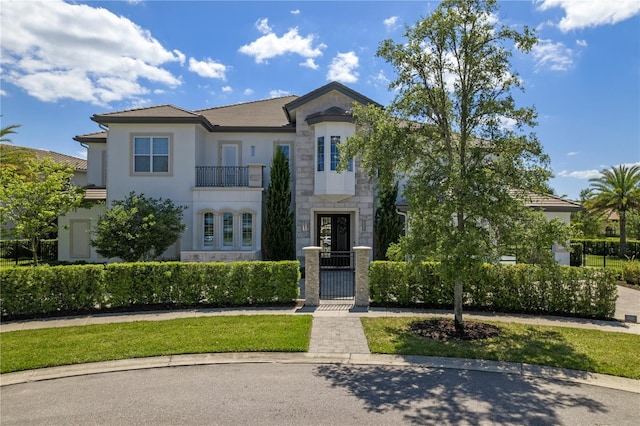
<point x="582" y="292"/>
<point x="50" y="289"/>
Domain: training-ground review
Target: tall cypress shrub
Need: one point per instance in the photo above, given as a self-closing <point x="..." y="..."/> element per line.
<point x="388" y="225"/>
<point x="278" y="225"/>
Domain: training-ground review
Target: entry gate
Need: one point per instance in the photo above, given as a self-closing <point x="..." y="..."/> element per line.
<point x="337" y="275"/>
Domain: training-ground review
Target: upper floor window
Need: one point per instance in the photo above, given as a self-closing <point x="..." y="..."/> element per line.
<point x="335" y="154"/>
<point x="320" y="156"/>
<point x="151" y="154"/>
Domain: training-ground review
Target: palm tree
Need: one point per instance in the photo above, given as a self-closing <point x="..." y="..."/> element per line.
<point x="616" y="189"/>
<point x="14" y="157"/>
<point x="7" y="131"/>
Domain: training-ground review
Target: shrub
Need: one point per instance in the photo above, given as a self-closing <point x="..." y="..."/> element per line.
<point x="631" y="272"/>
<point x="47" y="290"/>
<point x="561" y="290"/>
<point x="575" y="258"/>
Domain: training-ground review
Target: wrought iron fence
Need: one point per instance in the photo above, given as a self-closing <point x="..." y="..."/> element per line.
<point x="222" y="176"/>
<point x="602" y="253"/>
<point x="19" y="252"/>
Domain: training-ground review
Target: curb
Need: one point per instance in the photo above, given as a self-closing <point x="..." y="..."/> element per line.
<point x="518" y="369"/>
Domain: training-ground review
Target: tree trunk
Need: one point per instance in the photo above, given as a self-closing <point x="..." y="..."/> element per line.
<point x="457" y="305"/>
<point x="34" y="250"/>
<point x="623" y="235"/>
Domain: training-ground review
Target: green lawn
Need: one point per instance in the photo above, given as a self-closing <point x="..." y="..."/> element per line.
<point x="611" y="262"/>
<point x="580" y="349"/>
<point x="22" y="350"/>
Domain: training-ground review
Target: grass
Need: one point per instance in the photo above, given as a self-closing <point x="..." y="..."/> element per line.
<point x="22" y="350"/>
<point x="579" y="349"/>
<point x="611" y="262"/>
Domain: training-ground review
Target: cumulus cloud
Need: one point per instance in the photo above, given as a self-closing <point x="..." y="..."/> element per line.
<point x="52" y="51"/>
<point x="248" y="92"/>
<point x="227" y="89"/>
<point x="580" y="174"/>
<point x="571" y="154"/>
<point x="591" y="13"/>
<point x="208" y="68"/>
<point x="309" y="63"/>
<point x="343" y="67"/>
<point x="278" y="93"/>
<point x="391" y="23"/>
<point x="581" y="43"/>
<point x="295" y="12"/>
<point x="270" y="45"/>
<point x="553" y="55"/>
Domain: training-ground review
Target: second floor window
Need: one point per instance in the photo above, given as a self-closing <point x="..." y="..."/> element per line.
<point x="151" y="154"/>
<point x="335" y="154"/>
<point x="320" y="155"/>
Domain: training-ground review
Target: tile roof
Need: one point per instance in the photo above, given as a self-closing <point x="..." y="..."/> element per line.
<point x="153" y="111"/>
<point x="67" y="160"/>
<point x="264" y="113"/>
<point x="549" y="202"/>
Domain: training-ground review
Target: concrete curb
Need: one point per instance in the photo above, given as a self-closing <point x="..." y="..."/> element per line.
<point x="518" y="369"/>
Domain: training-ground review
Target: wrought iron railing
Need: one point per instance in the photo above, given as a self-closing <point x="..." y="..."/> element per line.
<point x="222" y="176"/>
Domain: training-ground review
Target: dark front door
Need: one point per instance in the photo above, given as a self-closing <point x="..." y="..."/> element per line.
<point x="334" y="238"/>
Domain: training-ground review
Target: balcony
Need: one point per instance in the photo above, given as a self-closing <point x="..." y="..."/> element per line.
<point x="229" y="176"/>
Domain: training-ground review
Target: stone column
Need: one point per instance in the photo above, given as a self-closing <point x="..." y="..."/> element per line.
<point x="312" y="276"/>
<point x="362" y="258"/>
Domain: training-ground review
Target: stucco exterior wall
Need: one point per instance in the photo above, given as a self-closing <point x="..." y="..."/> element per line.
<point x="68" y="250"/>
<point x="560" y="253"/>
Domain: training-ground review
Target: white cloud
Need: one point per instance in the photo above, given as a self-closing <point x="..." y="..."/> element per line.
<point x="580" y="174"/>
<point x="248" y="92"/>
<point x="227" y="89"/>
<point x="391" y="23"/>
<point x="555" y="56"/>
<point x="270" y="45"/>
<point x="278" y="93"/>
<point x="343" y="67"/>
<point x="591" y="13"/>
<point x="380" y="78"/>
<point x="309" y="63"/>
<point x="581" y="43"/>
<point x="82" y="154"/>
<point x="571" y="154"/>
<point x="208" y="68"/>
<point x="263" y="26"/>
<point x="3" y="92"/>
<point x="295" y="12"/>
<point x="507" y="122"/>
<point x="52" y="50"/>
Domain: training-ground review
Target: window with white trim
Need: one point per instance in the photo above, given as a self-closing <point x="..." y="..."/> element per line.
<point x="151" y="154"/>
<point x="247" y="229"/>
<point x="335" y="155"/>
<point x="227" y="230"/>
<point x="209" y="229"/>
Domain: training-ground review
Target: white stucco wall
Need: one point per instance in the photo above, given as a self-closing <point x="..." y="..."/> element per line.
<point x="65" y="244"/>
<point x="560" y="253"/>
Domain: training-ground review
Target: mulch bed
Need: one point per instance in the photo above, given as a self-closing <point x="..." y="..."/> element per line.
<point x="444" y="330"/>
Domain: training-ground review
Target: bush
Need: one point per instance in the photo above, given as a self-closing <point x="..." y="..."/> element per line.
<point x="631" y="272"/>
<point x="575" y="258"/>
<point x="562" y="290"/>
<point x="46" y="290"/>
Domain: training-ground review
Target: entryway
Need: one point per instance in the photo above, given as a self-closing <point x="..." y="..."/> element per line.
<point x="333" y="236"/>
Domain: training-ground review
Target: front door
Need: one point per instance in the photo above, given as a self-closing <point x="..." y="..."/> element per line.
<point x="333" y="232"/>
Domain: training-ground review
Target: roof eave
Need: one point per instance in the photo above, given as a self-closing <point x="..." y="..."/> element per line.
<point x="104" y="119"/>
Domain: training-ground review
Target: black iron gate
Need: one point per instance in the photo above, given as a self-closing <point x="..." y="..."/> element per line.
<point x="337" y="275"/>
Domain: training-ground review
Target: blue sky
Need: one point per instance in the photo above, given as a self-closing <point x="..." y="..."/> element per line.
<point x="65" y="61"/>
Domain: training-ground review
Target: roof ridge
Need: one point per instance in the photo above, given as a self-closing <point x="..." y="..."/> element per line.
<point x="245" y="103"/>
<point x="148" y="108"/>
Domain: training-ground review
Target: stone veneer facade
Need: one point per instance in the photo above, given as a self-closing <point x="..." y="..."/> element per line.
<point x="307" y="204"/>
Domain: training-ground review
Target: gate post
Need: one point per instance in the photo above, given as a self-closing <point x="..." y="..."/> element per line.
<point x="311" y="276"/>
<point x="362" y="254"/>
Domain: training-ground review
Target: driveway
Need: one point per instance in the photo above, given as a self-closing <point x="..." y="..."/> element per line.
<point x="312" y="394"/>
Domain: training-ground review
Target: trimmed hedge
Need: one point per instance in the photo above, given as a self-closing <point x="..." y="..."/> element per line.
<point x="581" y="292"/>
<point x="631" y="272"/>
<point x="45" y="290"/>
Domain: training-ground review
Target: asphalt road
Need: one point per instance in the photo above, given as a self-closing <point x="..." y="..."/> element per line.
<point x="312" y="394"/>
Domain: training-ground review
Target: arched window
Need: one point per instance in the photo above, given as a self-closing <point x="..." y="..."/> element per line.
<point x="227" y="230"/>
<point x="208" y="226"/>
<point x="247" y="229"/>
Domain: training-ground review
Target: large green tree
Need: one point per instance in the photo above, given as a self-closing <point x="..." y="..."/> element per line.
<point x="138" y="228"/>
<point x="32" y="199"/>
<point x="617" y="189"/>
<point x="456" y="137"/>
<point x="279" y="243"/>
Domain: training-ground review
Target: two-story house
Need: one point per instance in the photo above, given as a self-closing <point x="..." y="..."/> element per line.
<point x="216" y="163"/>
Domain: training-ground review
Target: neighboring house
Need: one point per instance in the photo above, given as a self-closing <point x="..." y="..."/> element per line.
<point x="216" y="162"/>
<point x="78" y="165"/>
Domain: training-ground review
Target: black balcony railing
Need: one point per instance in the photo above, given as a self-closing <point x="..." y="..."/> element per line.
<point x="222" y="176"/>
